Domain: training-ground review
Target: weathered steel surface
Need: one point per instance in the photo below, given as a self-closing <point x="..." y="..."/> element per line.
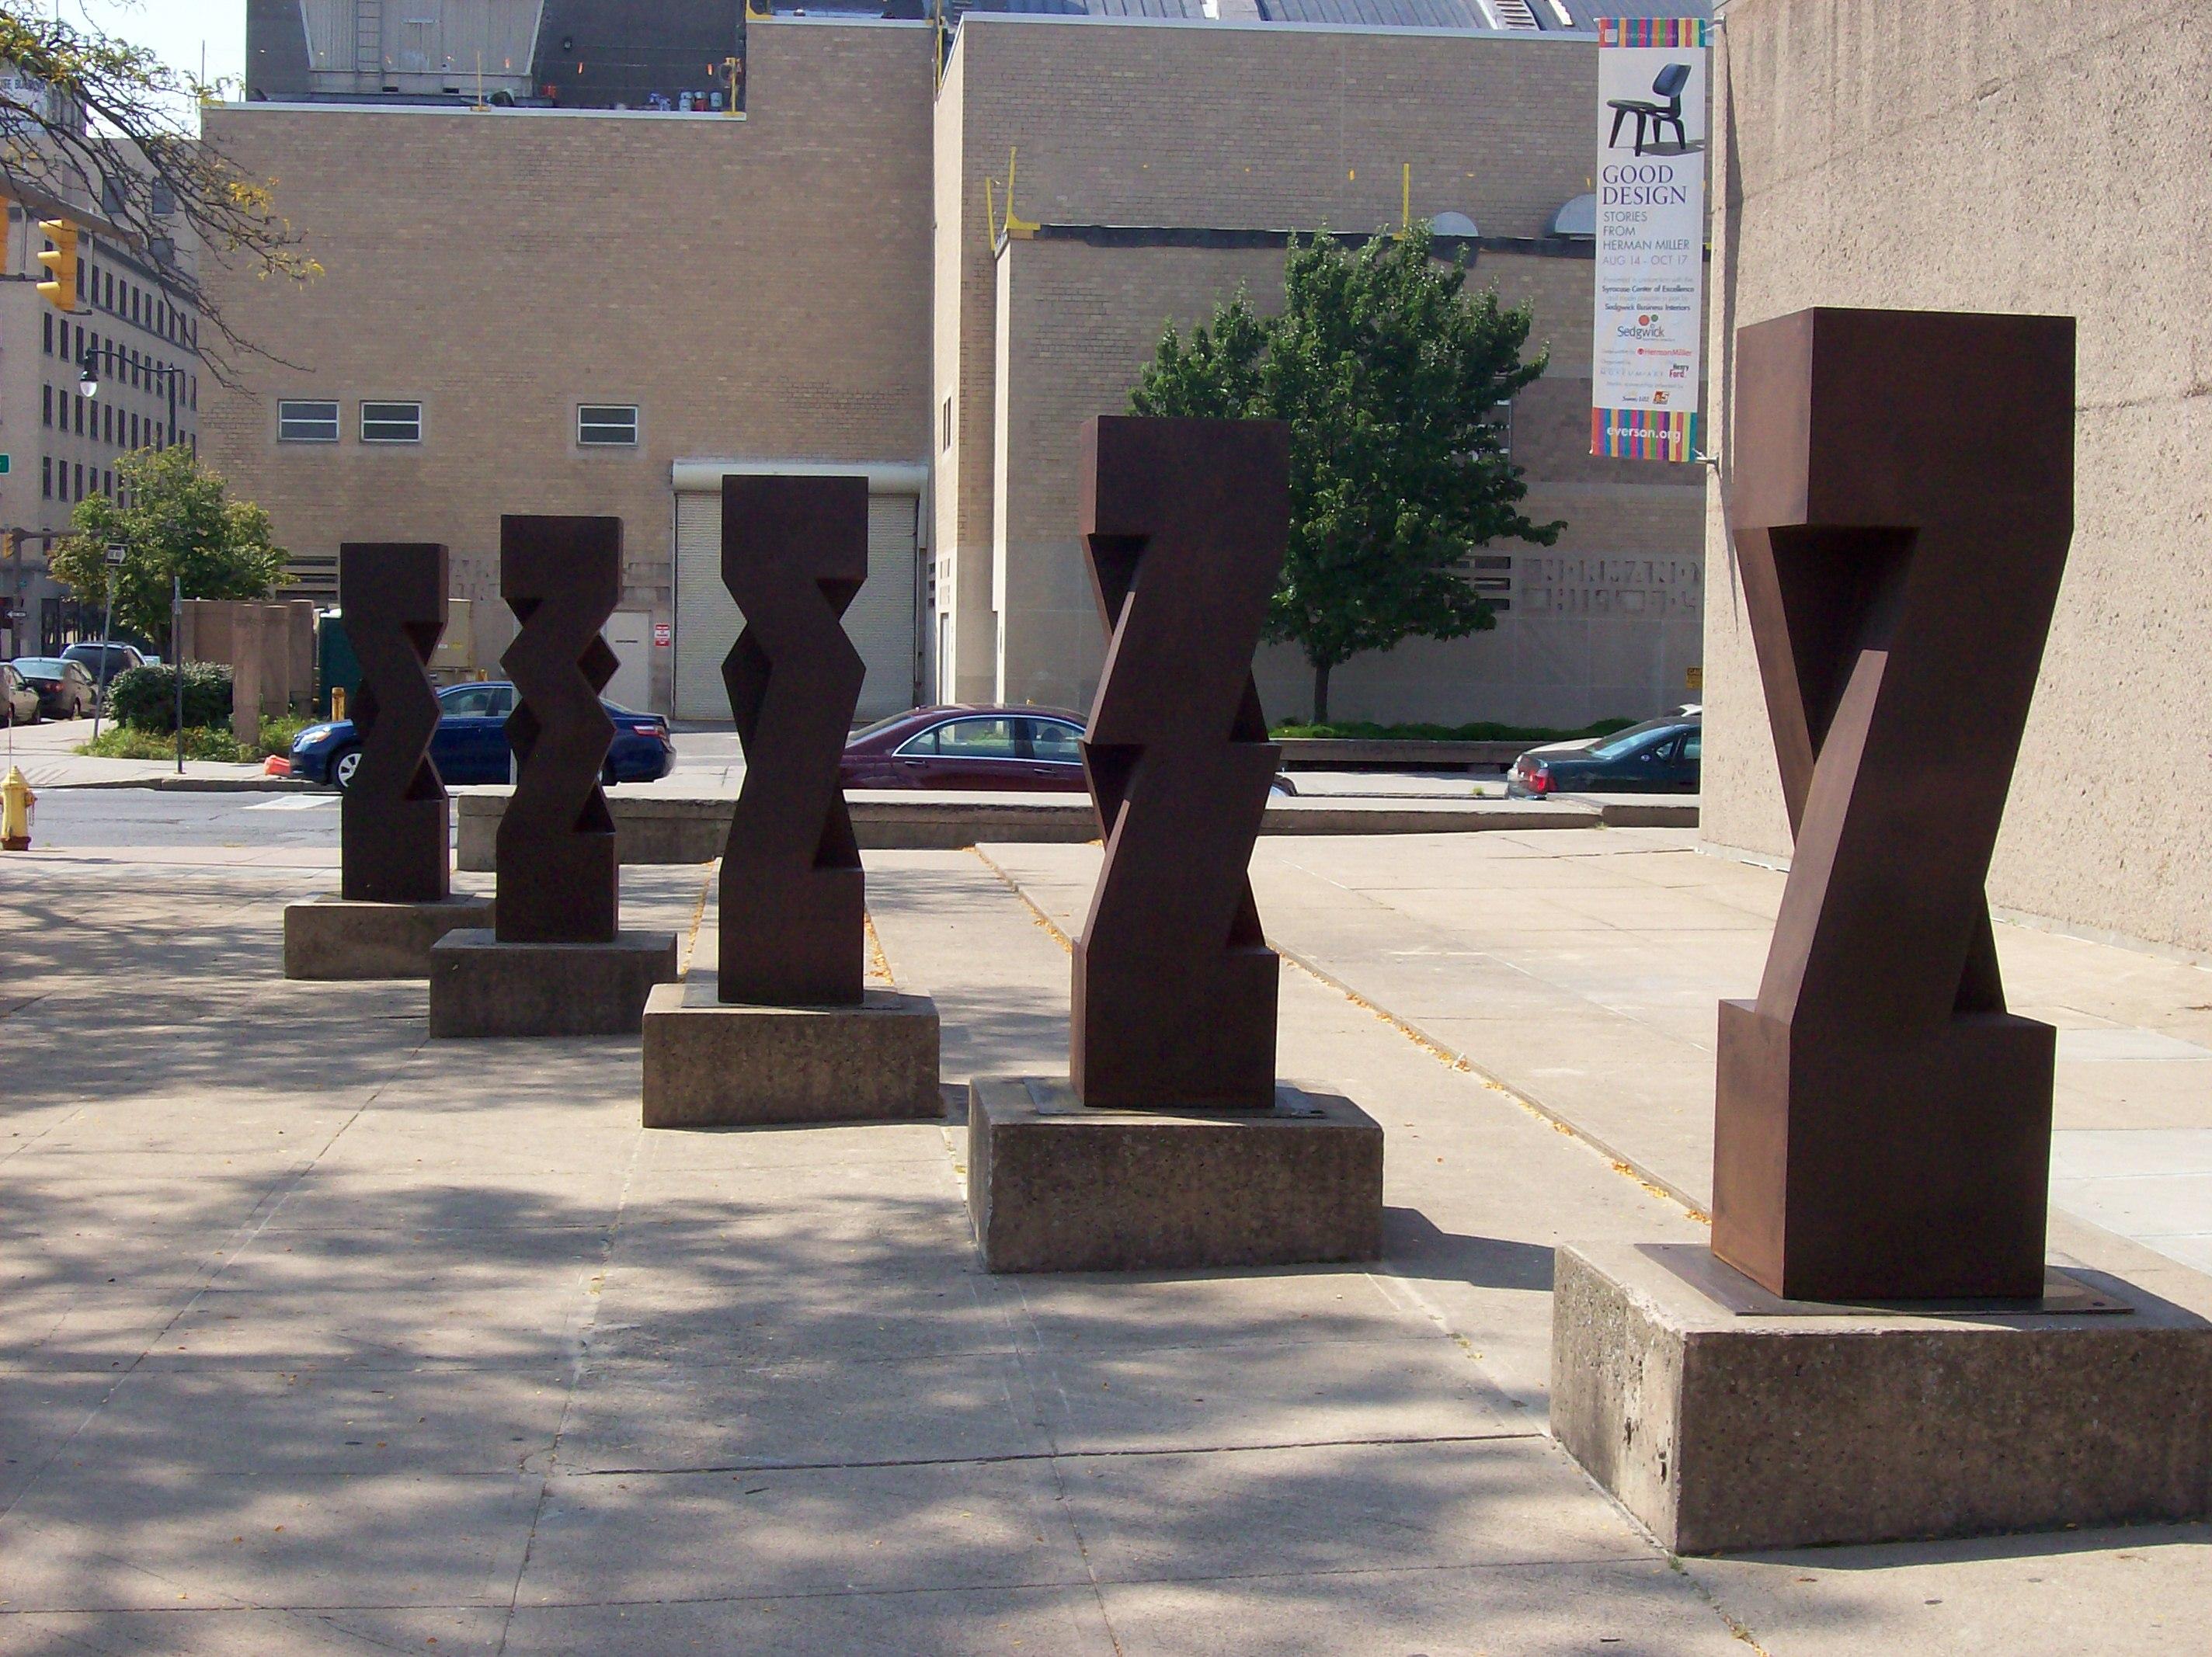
<point x="1174" y="987"/>
<point x="394" y="824"/>
<point x="795" y="551"/>
<point x="557" y="875"/>
<point x="1901" y="502"/>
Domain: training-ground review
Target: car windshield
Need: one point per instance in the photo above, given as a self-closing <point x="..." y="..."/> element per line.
<point x="1628" y="742"/>
<point x="46" y="667"/>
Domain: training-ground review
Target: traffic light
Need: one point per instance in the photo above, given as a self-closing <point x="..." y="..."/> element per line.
<point x="59" y="288"/>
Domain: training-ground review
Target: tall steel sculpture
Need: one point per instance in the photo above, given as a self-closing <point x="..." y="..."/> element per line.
<point x="557" y="878"/>
<point x="1186" y="522"/>
<point x="395" y="829"/>
<point x="794" y="552"/>
<point x="1901" y="503"/>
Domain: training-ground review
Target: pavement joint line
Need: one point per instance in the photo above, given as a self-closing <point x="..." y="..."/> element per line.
<point x="1624" y="1165"/>
<point x="1138" y="1452"/>
<point x="579" y="1361"/>
<point x="698" y="919"/>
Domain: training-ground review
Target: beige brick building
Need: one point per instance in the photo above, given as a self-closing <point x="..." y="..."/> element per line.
<point x="818" y="283"/>
<point x="1943" y="192"/>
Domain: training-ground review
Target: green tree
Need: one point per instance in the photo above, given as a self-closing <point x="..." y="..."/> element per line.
<point x="101" y="132"/>
<point x="181" y="521"/>
<point x="1389" y="374"/>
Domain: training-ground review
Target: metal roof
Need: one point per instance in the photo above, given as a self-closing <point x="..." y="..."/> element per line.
<point x="1532" y="16"/>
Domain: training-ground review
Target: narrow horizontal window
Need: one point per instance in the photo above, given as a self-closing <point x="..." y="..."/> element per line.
<point x="392" y="423"/>
<point x="607" y="425"/>
<point x="306" y="422"/>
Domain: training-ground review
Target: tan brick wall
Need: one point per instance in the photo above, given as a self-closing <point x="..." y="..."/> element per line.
<point x="1877" y="157"/>
<point x="1604" y="622"/>
<point x="759" y="288"/>
<point x="1264" y="128"/>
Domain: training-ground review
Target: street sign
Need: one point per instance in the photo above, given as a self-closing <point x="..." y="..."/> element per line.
<point x="7" y="465"/>
<point x="117" y="552"/>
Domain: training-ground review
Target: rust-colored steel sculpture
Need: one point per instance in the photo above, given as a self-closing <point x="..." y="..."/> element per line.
<point x="558" y="878"/>
<point x="795" y="551"/>
<point x="394" y="828"/>
<point x="1186" y="522"/>
<point x="1901" y="500"/>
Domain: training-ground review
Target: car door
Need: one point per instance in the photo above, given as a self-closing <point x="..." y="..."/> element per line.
<point x="1052" y="754"/>
<point x="1688" y="763"/>
<point x="973" y="752"/>
<point x="1647" y="769"/>
<point x="461" y="746"/>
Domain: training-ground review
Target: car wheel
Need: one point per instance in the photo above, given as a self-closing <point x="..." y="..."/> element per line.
<point x="344" y="767"/>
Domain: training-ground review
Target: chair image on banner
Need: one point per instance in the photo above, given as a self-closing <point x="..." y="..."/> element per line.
<point x="1652" y="119"/>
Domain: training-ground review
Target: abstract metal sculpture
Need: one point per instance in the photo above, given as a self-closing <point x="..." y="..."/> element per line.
<point x="795" y="551"/>
<point x="1186" y="523"/>
<point x="1901" y="503"/>
<point x="393" y="821"/>
<point x="557" y="878"/>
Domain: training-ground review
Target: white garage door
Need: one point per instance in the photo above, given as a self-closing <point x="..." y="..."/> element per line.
<point x="880" y="622"/>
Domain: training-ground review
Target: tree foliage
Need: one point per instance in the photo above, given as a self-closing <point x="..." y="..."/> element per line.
<point x="99" y="131"/>
<point x="1389" y="374"/>
<point x="181" y="521"/>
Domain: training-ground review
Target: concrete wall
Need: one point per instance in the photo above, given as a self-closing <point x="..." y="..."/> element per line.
<point x="1959" y="158"/>
<point x="1272" y="127"/>
<point x="758" y="288"/>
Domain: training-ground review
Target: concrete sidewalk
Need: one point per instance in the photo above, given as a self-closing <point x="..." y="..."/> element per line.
<point x="318" y="1336"/>
<point x="47" y="754"/>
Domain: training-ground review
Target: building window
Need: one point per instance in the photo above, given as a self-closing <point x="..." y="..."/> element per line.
<point x="392" y="423"/>
<point x="48" y="319"/>
<point x="47" y="409"/>
<point x="134" y="431"/>
<point x="107" y="423"/>
<point x="80" y="417"/>
<point x="309" y="423"/>
<point x="79" y="469"/>
<point x="46" y="476"/>
<point x="946" y="442"/>
<point x="607" y="425"/>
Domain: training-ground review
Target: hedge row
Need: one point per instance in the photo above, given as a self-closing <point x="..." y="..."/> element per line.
<point x="145" y="698"/>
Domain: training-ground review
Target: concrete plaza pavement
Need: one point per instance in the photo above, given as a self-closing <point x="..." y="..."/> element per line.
<point x="318" y="1336"/>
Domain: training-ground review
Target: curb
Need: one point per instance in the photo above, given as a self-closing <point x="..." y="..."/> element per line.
<point x="190" y="784"/>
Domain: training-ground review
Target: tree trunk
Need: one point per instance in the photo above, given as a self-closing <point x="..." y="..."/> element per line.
<point x="1321" y="693"/>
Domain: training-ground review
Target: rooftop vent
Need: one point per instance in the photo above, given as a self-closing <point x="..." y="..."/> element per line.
<point x="1577" y="217"/>
<point x="1453" y="224"/>
<point x="1511" y="14"/>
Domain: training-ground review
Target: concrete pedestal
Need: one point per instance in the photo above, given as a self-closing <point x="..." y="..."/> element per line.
<point x="335" y="937"/>
<point x="481" y="987"/>
<point x="711" y="1064"/>
<point x="1725" y="1430"/>
<point x="1053" y="1187"/>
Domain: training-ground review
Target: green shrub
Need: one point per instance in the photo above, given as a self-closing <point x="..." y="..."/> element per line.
<point x="145" y="698"/>
<point x="126" y="741"/>
<point x="1477" y="732"/>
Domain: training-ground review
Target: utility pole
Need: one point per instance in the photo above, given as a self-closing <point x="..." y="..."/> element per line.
<point x="177" y="656"/>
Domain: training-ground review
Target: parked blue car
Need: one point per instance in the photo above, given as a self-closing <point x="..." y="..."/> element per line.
<point x="471" y="743"/>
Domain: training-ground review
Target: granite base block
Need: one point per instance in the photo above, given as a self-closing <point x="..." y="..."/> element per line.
<point x="714" y="1064"/>
<point x="1727" y="1432"/>
<point x="334" y="937"/>
<point x="482" y="987"/>
<point x="1055" y="1187"/>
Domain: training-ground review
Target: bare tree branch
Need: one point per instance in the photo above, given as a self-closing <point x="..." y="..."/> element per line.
<point x="91" y="131"/>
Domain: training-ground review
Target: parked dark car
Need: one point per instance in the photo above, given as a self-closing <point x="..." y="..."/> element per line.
<point x="1660" y="757"/>
<point x="1015" y="748"/>
<point x="19" y="703"/>
<point x="66" y="689"/>
<point x="120" y="659"/>
<point x="469" y="744"/>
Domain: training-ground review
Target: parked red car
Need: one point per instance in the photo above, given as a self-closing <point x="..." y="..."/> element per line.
<point x="1029" y="748"/>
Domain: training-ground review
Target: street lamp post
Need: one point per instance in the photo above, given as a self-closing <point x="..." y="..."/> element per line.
<point x="88" y="376"/>
<point x="176" y="656"/>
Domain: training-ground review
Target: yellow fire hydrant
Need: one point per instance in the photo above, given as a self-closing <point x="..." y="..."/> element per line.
<point x="16" y="800"/>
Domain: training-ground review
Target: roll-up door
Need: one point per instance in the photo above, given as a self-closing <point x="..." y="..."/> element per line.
<point x="880" y="622"/>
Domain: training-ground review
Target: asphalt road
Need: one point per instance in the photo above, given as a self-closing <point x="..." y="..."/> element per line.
<point x="81" y="818"/>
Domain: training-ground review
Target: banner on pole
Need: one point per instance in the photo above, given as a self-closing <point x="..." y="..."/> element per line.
<point x="1645" y="367"/>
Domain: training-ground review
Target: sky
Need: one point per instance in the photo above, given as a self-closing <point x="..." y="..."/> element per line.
<point x="176" y="29"/>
